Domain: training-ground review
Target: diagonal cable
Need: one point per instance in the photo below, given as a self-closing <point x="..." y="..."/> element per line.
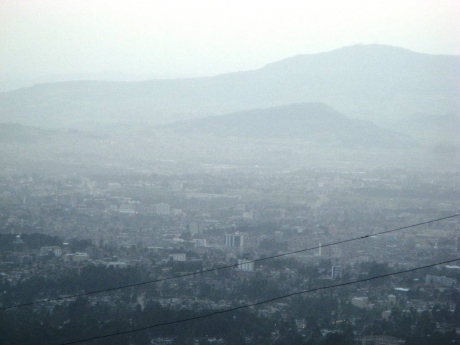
<point x="259" y="303"/>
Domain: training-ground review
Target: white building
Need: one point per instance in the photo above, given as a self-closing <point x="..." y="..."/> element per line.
<point x="320" y="251"/>
<point x="245" y="265"/>
<point x="118" y="264"/>
<point x="360" y="302"/>
<point x="128" y="208"/>
<point x="79" y="257"/>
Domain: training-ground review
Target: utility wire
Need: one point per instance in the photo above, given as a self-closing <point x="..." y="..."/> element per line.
<point x="228" y="266"/>
<point x="244" y="306"/>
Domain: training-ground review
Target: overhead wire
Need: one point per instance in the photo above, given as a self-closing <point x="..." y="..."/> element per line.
<point x="244" y="306"/>
<point x="228" y="266"/>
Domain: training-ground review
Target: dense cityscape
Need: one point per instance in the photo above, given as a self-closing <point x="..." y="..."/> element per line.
<point x="72" y="235"/>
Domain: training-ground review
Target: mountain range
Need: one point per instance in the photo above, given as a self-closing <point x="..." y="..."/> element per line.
<point x="373" y="82"/>
<point x="295" y="135"/>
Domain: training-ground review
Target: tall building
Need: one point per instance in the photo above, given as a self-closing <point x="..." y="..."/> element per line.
<point x="336" y="272"/>
<point x="234" y="240"/>
<point x="319" y="253"/>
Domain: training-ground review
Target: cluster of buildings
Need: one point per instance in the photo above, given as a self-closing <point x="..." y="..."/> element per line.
<point x="232" y="217"/>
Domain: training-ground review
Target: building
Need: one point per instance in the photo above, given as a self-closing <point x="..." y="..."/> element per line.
<point x="200" y="242"/>
<point x="234" y="240"/>
<point x="386" y="314"/>
<point x="245" y="265"/>
<point x="336" y="272"/>
<point x="391" y="299"/>
<point x="127" y="208"/>
<point x="178" y="257"/>
<point x="320" y="252"/>
<point x="18" y="243"/>
<point x="18" y="240"/>
<point x="56" y="250"/>
<point x="154" y="249"/>
<point x="195" y="227"/>
<point x="117" y="264"/>
<point x="440" y="280"/>
<point x="77" y="257"/>
<point x="360" y="302"/>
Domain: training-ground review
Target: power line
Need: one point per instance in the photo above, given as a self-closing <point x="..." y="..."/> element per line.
<point x="259" y="303"/>
<point x="228" y="266"/>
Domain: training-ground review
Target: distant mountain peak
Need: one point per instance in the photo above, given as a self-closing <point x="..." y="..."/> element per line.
<point x="353" y="52"/>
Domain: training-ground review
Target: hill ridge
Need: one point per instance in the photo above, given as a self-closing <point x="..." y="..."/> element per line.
<point x="316" y="122"/>
<point x="387" y="84"/>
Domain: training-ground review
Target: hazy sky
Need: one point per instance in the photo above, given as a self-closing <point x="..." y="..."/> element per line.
<point x="209" y="36"/>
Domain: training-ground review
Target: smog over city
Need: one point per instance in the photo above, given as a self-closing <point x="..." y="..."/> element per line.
<point x="224" y="173"/>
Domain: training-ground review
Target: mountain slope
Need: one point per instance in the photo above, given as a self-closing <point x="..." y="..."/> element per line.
<point x="370" y="81"/>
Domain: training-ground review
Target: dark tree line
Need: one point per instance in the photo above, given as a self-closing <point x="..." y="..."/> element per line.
<point x="32" y="241"/>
